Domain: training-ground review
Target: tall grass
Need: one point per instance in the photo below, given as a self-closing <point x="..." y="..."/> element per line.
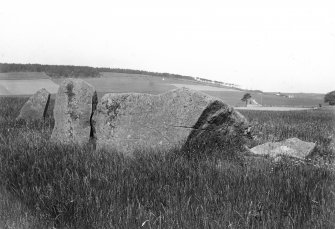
<point x="310" y="125"/>
<point x="77" y="187"/>
<point x="14" y="214"/>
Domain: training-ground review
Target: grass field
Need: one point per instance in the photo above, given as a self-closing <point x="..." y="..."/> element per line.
<point x="23" y="76"/>
<point x="25" y="83"/>
<point x="75" y="187"/>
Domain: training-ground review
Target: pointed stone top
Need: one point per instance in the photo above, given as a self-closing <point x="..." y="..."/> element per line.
<point x="36" y="106"/>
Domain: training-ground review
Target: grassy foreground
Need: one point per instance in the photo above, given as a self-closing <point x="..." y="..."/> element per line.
<point x="75" y="187"/>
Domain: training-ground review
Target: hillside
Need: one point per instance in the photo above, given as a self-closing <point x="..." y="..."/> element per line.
<point x="57" y="71"/>
<point x="26" y="82"/>
<point x="61" y="71"/>
<point x="54" y="71"/>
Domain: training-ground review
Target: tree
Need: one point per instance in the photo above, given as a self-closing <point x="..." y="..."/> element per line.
<point x="245" y="98"/>
<point x="330" y="98"/>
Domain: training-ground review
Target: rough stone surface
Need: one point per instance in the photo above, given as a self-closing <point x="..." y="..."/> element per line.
<point x="36" y="106"/>
<point x="131" y="121"/>
<point x="75" y="103"/>
<point x="292" y="147"/>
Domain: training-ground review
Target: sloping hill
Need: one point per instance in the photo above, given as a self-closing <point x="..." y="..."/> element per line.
<point x="26" y="83"/>
<point x="23" y="76"/>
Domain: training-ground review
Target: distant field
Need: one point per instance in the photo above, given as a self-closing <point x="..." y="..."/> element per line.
<point x="23" y="76"/>
<point x="26" y="87"/>
<point x="203" y="87"/>
<point x="260" y="108"/>
<point x="121" y="82"/>
<point x="25" y="83"/>
<point x="234" y="98"/>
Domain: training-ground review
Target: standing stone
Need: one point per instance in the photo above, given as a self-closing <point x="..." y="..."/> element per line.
<point x="292" y="147"/>
<point x="75" y="103"/>
<point x="36" y="106"/>
<point x="131" y="121"/>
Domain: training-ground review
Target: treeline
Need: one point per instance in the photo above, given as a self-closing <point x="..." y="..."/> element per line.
<point x="57" y="71"/>
<point x="52" y="70"/>
<point x="131" y="71"/>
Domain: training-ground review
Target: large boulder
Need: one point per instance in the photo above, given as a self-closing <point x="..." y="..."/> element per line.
<point x="75" y="103"/>
<point x="292" y="147"/>
<point x="178" y="118"/>
<point x="36" y="106"/>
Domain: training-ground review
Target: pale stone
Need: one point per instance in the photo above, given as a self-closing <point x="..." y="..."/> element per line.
<point x="75" y="103"/>
<point x="292" y="147"/>
<point x="36" y="106"/>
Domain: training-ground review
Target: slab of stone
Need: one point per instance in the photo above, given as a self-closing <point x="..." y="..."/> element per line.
<point x="133" y="121"/>
<point x="75" y="103"/>
<point x="36" y="106"/>
<point x="292" y="147"/>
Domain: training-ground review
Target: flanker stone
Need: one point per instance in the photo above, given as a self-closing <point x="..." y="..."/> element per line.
<point x="36" y="106"/>
<point x="75" y="103"/>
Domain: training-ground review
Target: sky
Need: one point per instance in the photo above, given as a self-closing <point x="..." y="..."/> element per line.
<point x="278" y="46"/>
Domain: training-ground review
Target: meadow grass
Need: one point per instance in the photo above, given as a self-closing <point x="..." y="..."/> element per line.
<point x="69" y="186"/>
<point x="14" y="214"/>
<point x="310" y="125"/>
